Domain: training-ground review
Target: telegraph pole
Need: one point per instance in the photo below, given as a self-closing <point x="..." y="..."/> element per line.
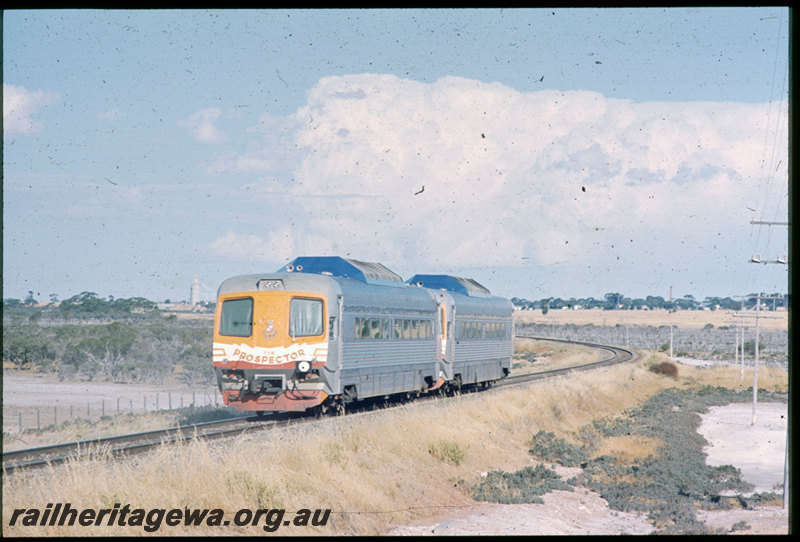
<point x="757" y="259"/>
<point x="755" y="368"/>
<point x="670" y="341"/>
<point x="758" y="316"/>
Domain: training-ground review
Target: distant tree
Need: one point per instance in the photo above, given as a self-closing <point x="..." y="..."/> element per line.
<point x="89" y="305"/>
<point x="545" y="305"/>
<point x="27" y="350"/>
<point x="591" y="303"/>
<point x="11" y="303"/>
<point x="749" y="347"/>
<point x="612" y="300"/>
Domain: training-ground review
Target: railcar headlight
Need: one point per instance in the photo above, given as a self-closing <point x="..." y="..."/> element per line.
<point x="303" y="367"/>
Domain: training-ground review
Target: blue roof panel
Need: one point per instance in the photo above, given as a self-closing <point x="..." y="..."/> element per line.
<point x="448" y="282"/>
<point x="368" y="272"/>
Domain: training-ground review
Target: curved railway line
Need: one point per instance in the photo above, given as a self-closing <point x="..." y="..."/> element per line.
<point x="43" y="456"/>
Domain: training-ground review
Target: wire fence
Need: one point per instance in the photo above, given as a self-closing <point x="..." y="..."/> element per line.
<point x="26" y="418"/>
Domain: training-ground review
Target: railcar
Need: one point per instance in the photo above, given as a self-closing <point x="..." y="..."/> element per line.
<point x="480" y="337"/>
<point x="325" y="331"/>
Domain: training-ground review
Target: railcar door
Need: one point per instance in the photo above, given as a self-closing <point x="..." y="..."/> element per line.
<point x="446" y="329"/>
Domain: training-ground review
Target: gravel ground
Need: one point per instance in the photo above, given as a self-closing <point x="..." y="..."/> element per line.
<point x="758" y="450"/>
<point x="24" y="392"/>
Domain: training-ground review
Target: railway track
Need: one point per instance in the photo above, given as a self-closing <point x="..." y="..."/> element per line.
<point x="139" y="442"/>
<point x="122" y="445"/>
<point x="615" y="355"/>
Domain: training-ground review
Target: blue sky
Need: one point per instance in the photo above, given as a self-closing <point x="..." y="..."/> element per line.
<point x="563" y="152"/>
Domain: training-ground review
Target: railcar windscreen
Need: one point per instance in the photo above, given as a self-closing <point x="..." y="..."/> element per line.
<point x="305" y="319"/>
<point x="236" y="319"/>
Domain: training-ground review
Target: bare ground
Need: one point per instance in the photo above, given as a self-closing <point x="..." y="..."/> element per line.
<point x="758" y="450"/>
<point x="26" y="393"/>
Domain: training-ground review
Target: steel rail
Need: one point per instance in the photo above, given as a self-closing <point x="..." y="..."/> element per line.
<point x="54" y="454"/>
<point x="617" y="355"/>
<point x="135" y="442"/>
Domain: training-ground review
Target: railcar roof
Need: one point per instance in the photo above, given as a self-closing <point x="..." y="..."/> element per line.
<point x="369" y="272"/>
<point x="461" y="285"/>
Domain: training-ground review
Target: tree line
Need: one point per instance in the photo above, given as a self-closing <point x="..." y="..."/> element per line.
<point x="90" y="338"/>
<point x="618" y="301"/>
<point x="94" y="338"/>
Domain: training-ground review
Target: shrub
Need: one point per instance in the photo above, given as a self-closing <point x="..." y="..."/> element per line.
<point x="673" y="485"/>
<point x="665" y="368"/>
<point x="549" y="448"/>
<point x="524" y="486"/>
<point x="448" y="451"/>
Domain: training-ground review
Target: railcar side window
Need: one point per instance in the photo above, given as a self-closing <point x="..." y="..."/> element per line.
<point x="382" y="328"/>
<point x="426" y="329"/>
<point x="412" y="329"/>
<point x="305" y="317"/>
<point x="375" y="332"/>
<point x="236" y="318"/>
<point x="372" y="328"/>
<point x="482" y="330"/>
<point x="385" y="323"/>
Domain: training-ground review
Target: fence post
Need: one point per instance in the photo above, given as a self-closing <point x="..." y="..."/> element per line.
<point x="88" y="412"/>
<point x="55" y="417"/>
<point x="103" y="410"/>
<point x="117" y="405"/>
<point x="156" y="400"/>
<point x="193" y="400"/>
<point x="144" y="401"/>
<point x="20" y="422"/>
<point x="38" y="425"/>
<point x="169" y="399"/>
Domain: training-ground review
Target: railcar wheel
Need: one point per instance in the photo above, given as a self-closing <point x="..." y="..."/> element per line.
<point x="320" y="410"/>
<point x="338" y="409"/>
<point x="454" y="387"/>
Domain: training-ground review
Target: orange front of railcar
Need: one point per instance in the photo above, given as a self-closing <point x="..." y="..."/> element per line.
<point x="269" y="347"/>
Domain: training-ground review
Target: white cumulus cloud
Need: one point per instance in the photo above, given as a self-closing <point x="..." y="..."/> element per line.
<point x="460" y="172"/>
<point x="202" y="125"/>
<point x="19" y="107"/>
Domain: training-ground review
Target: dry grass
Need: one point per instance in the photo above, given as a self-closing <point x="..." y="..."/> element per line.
<point x="726" y="376"/>
<point x="374" y="470"/>
<point x="120" y="424"/>
<point x="628" y="448"/>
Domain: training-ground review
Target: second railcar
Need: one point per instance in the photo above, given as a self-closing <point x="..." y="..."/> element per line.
<point x="479" y="341"/>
